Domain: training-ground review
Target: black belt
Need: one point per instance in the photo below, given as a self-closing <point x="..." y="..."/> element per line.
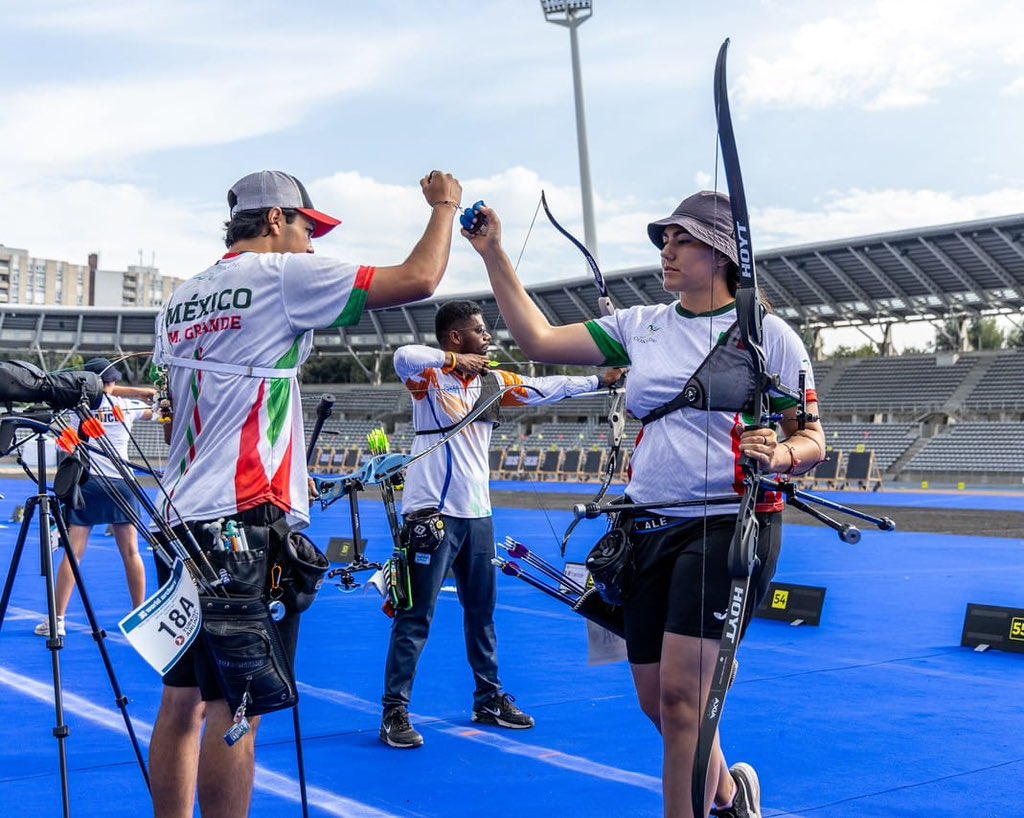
<point x="644" y="523"/>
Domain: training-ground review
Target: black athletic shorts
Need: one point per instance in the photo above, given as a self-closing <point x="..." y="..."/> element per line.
<point x="668" y="593"/>
<point x="193" y="669"/>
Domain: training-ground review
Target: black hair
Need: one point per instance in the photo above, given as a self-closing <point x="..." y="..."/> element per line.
<point x="251" y="224"/>
<point x="732" y="276"/>
<point x="452" y="313"/>
<point x="732" y="280"/>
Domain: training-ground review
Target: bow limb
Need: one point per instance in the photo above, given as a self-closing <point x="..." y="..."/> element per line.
<point x="743" y="550"/>
<point x="603" y="301"/>
<point x="616" y="415"/>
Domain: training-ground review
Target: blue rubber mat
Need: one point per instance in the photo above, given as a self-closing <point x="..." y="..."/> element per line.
<point x="877" y="712"/>
<point x="1003" y="500"/>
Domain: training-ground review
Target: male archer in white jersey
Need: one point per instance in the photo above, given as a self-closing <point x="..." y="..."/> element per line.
<point x="452" y="484"/>
<point x="233" y="337"/>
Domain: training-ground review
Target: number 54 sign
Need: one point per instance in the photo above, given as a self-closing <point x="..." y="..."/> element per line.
<point x="162" y="628"/>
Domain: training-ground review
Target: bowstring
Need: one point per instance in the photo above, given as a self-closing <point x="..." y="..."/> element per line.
<point x="494" y="334"/>
<point x="519" y="258"/>
<point x="707" y="463"/>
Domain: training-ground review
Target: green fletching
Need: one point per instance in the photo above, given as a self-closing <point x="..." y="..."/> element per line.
<point x="378" y="441"/>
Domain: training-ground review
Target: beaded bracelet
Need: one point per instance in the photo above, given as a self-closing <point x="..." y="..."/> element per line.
<point x="793" y="460"/>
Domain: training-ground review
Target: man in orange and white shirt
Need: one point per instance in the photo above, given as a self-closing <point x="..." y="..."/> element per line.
<point x="446" y="384"/>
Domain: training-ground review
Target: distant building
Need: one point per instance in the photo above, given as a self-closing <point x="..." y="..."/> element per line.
<point x="25" y="279"/>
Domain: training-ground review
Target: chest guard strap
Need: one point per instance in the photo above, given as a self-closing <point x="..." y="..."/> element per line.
<point x="724" y="381"/>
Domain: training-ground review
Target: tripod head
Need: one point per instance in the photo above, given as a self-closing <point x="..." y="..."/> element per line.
<point x="35" y="418"/>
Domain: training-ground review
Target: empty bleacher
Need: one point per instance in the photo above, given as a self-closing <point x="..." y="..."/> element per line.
<point x="973" y="447"/>
<point x="1002" y="386"/>
<point x="564" y="435"/>
<point x="901" y="383"/>
<point x="888" y="440"/>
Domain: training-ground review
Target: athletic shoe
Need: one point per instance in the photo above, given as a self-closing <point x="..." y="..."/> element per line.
<point x="746" y="803"/>
<point x="501" y="711"/>
<point x="396" y="731"/>
<point x="43" y="628"/>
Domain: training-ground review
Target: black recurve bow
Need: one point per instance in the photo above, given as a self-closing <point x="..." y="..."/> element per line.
<point x="743" y="559"/>
<point x="616" y="413"/>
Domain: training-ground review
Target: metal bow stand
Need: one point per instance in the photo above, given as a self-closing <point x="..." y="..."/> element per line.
<point x="49" y="516"/>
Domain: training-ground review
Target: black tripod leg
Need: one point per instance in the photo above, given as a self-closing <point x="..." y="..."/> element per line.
<point x="301" y="763"/>
<point x="19" y="547"/>
<point x="100" y="635"/>
<point x="54" y="642"/>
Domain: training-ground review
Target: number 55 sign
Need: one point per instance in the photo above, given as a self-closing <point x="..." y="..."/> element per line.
<point x="162" y="628"/>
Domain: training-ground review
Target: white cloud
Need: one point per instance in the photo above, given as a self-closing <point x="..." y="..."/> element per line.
<point x="68" y="221"/>
<point x="855" y="212"/>
<point x="76" y="124"/>
<point x="382" y="223"/>
<point x="885" y="56"/>
<point x="110" y="18"/>
<point x="1015" y="88"/>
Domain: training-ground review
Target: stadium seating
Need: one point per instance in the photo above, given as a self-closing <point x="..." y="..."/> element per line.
<point x="949" y="417"/>
<point x="973" y="447"/>
<point x="888" y="440"/>
<point x="1002" y="386"/>
<point x="900" y="383"/>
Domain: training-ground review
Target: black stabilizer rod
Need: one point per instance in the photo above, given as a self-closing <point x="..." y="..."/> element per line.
<point x="590" y="511"/>
<point x="847" y="532"/>
<point x="323" y="411"/>
<point x="791" y="492"/>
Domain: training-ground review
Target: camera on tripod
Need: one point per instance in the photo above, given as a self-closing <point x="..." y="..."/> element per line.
<point x="23" y="382"/>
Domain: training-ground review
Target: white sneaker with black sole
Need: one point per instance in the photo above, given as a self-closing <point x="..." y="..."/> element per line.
<point x="43" y="628"/>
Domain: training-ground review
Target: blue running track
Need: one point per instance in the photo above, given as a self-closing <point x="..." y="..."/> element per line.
<point x="877" y="712"/>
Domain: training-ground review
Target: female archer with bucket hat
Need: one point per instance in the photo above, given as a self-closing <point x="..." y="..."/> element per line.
<point x="675" y="603"/>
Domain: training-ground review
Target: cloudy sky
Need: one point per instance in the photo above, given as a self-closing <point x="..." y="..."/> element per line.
<point x="125" y="123"/>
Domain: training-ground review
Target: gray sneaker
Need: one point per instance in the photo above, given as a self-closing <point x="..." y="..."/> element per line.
<point x="746" y="803"/>
<point x="397" y="731"/>
<point x="501" y="711"/>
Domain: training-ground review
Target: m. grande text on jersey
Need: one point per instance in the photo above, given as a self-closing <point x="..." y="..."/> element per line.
<point x="213" y="325"/>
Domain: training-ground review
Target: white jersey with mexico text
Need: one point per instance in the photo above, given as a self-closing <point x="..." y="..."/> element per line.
<point x="238" y="438"/>
<point x="117" y="432"/>
<point x="688" y="454"/>
<point x="455" y="478"/>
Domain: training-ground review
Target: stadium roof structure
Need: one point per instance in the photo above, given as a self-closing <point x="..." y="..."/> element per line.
<point x="924" y="274"/>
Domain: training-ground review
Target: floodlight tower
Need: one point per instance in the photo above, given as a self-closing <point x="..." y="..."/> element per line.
<point x="572" y="14"/>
